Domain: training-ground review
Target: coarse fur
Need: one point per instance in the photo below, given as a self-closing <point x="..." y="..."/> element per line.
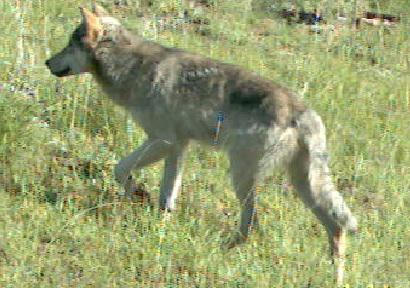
<point x="176" y="97"/>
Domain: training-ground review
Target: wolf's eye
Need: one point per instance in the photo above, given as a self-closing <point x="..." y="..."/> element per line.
<point x="77" y="35"/>
<point x="75" y="38"/>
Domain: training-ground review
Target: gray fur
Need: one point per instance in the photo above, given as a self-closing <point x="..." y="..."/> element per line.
<point x="175" y="96"/>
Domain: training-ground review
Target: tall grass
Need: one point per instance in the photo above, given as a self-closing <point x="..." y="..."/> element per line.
<point x="62" y="225"/>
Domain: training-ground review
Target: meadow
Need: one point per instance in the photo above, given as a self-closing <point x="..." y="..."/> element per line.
<point x="62" y="223"/>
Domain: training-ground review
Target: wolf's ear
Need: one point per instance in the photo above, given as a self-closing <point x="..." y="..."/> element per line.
<point x="100" y="11"/>
<point x="93" y="27"/>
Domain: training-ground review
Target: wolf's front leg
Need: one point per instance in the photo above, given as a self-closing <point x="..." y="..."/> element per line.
<point x="172" y="178"/>
<point x="149" y="152"/>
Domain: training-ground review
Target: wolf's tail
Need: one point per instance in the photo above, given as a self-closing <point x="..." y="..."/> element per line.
<point x="323" y="194"/>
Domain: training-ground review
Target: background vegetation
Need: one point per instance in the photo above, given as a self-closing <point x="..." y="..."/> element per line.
<point x="61" y="223"/>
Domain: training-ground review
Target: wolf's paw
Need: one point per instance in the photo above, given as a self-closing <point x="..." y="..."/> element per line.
<point x="166" y="215"/>
<point x="138" y="194"/>
<point x="352" y="226"/>
<point x="234" y="241"/>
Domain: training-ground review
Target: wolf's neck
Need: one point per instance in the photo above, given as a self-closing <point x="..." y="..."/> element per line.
<point x="127" y="66"/>
<point x="120" y="54"/>
<point x="114" y="64"/>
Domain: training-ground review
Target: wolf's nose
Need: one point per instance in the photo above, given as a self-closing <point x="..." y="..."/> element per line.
<point x="47" y="62"/>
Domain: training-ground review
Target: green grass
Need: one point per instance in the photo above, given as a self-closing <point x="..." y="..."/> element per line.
<point x="61" y="224"/>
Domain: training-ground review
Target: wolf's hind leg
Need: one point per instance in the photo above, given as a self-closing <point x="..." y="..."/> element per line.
<point x="244" y="172"/>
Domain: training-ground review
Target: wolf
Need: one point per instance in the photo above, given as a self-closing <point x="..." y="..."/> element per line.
<point x="178" y="97"/>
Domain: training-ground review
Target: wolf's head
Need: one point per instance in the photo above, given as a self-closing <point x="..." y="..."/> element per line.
<point x="78" y="56"/>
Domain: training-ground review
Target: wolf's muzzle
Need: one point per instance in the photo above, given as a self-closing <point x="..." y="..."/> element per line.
<point x="60" y="73"/>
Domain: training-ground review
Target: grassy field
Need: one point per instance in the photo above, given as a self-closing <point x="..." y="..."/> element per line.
<point x="62" y="225"/>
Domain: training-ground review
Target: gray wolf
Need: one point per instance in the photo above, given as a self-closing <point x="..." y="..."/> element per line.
<point x="176" y="97"/>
